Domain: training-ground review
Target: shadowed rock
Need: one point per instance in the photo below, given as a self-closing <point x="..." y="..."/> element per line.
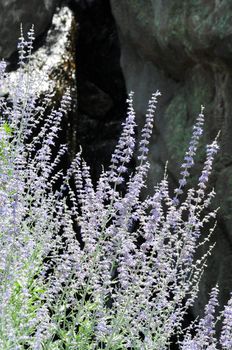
<point x="55" y="62"/>
<point x="27" y="12"/>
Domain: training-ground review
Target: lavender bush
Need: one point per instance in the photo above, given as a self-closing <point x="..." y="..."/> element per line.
<point x="129" y="281"/>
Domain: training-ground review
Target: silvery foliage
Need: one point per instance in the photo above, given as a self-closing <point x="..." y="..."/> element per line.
<point x="131" y="280"/>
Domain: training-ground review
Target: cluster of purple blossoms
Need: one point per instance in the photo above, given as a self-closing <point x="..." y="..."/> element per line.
<point x="92" y="267"/>
<point x="189" y="156"/>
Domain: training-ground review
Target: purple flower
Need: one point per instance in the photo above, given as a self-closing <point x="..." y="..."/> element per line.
<point x="226" y="332"/>
<point x="96" y="265"/>
<point x="189" y="156"/>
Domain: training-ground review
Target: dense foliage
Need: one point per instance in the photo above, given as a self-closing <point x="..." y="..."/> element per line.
<point x="84" y="267"/>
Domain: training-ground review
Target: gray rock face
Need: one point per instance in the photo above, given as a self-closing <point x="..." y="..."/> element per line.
<point x="57" y="59"/>
<point x="183" y="48"/>
<point x="54" y="62"/>
<point x="27" y="12"/>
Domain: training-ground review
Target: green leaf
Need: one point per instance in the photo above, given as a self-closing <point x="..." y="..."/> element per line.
<point x="7" y="128"/>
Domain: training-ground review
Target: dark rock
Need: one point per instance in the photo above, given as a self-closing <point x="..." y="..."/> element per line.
<point x="94" y="102"/>
<point x="57" y="59"/>
<point x="27" y="12"/>
<point x="224" y="197"/>
<point x="101" y="88"/>
<point x="55" y="64"/>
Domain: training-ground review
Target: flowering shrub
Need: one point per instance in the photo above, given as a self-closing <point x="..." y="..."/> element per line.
<point x="129" y="280"/>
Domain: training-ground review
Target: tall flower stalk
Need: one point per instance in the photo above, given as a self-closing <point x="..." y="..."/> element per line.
<point x="94" y="267"/>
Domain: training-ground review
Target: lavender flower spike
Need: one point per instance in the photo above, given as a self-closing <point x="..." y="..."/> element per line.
<point x="189" y="156"/>
<point x="226" y="333"/>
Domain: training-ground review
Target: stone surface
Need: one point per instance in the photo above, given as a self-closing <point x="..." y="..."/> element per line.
<point x="184" y="49"/>
<point x="100" y="83"/>
<point x="57" y="58"/>
<point x="55" y="61"/>
<point x="98" y="103"/>
<point x="27" y="12"/>
<point x="101" y="89"/>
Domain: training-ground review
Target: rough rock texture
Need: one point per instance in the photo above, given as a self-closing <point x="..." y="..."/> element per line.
<point x="27" y="12"/>
<point x="56" y="61"/>
<point x="184" y="49"/>
<point x="101" y="90"/>
<point x="100" y="83"/>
